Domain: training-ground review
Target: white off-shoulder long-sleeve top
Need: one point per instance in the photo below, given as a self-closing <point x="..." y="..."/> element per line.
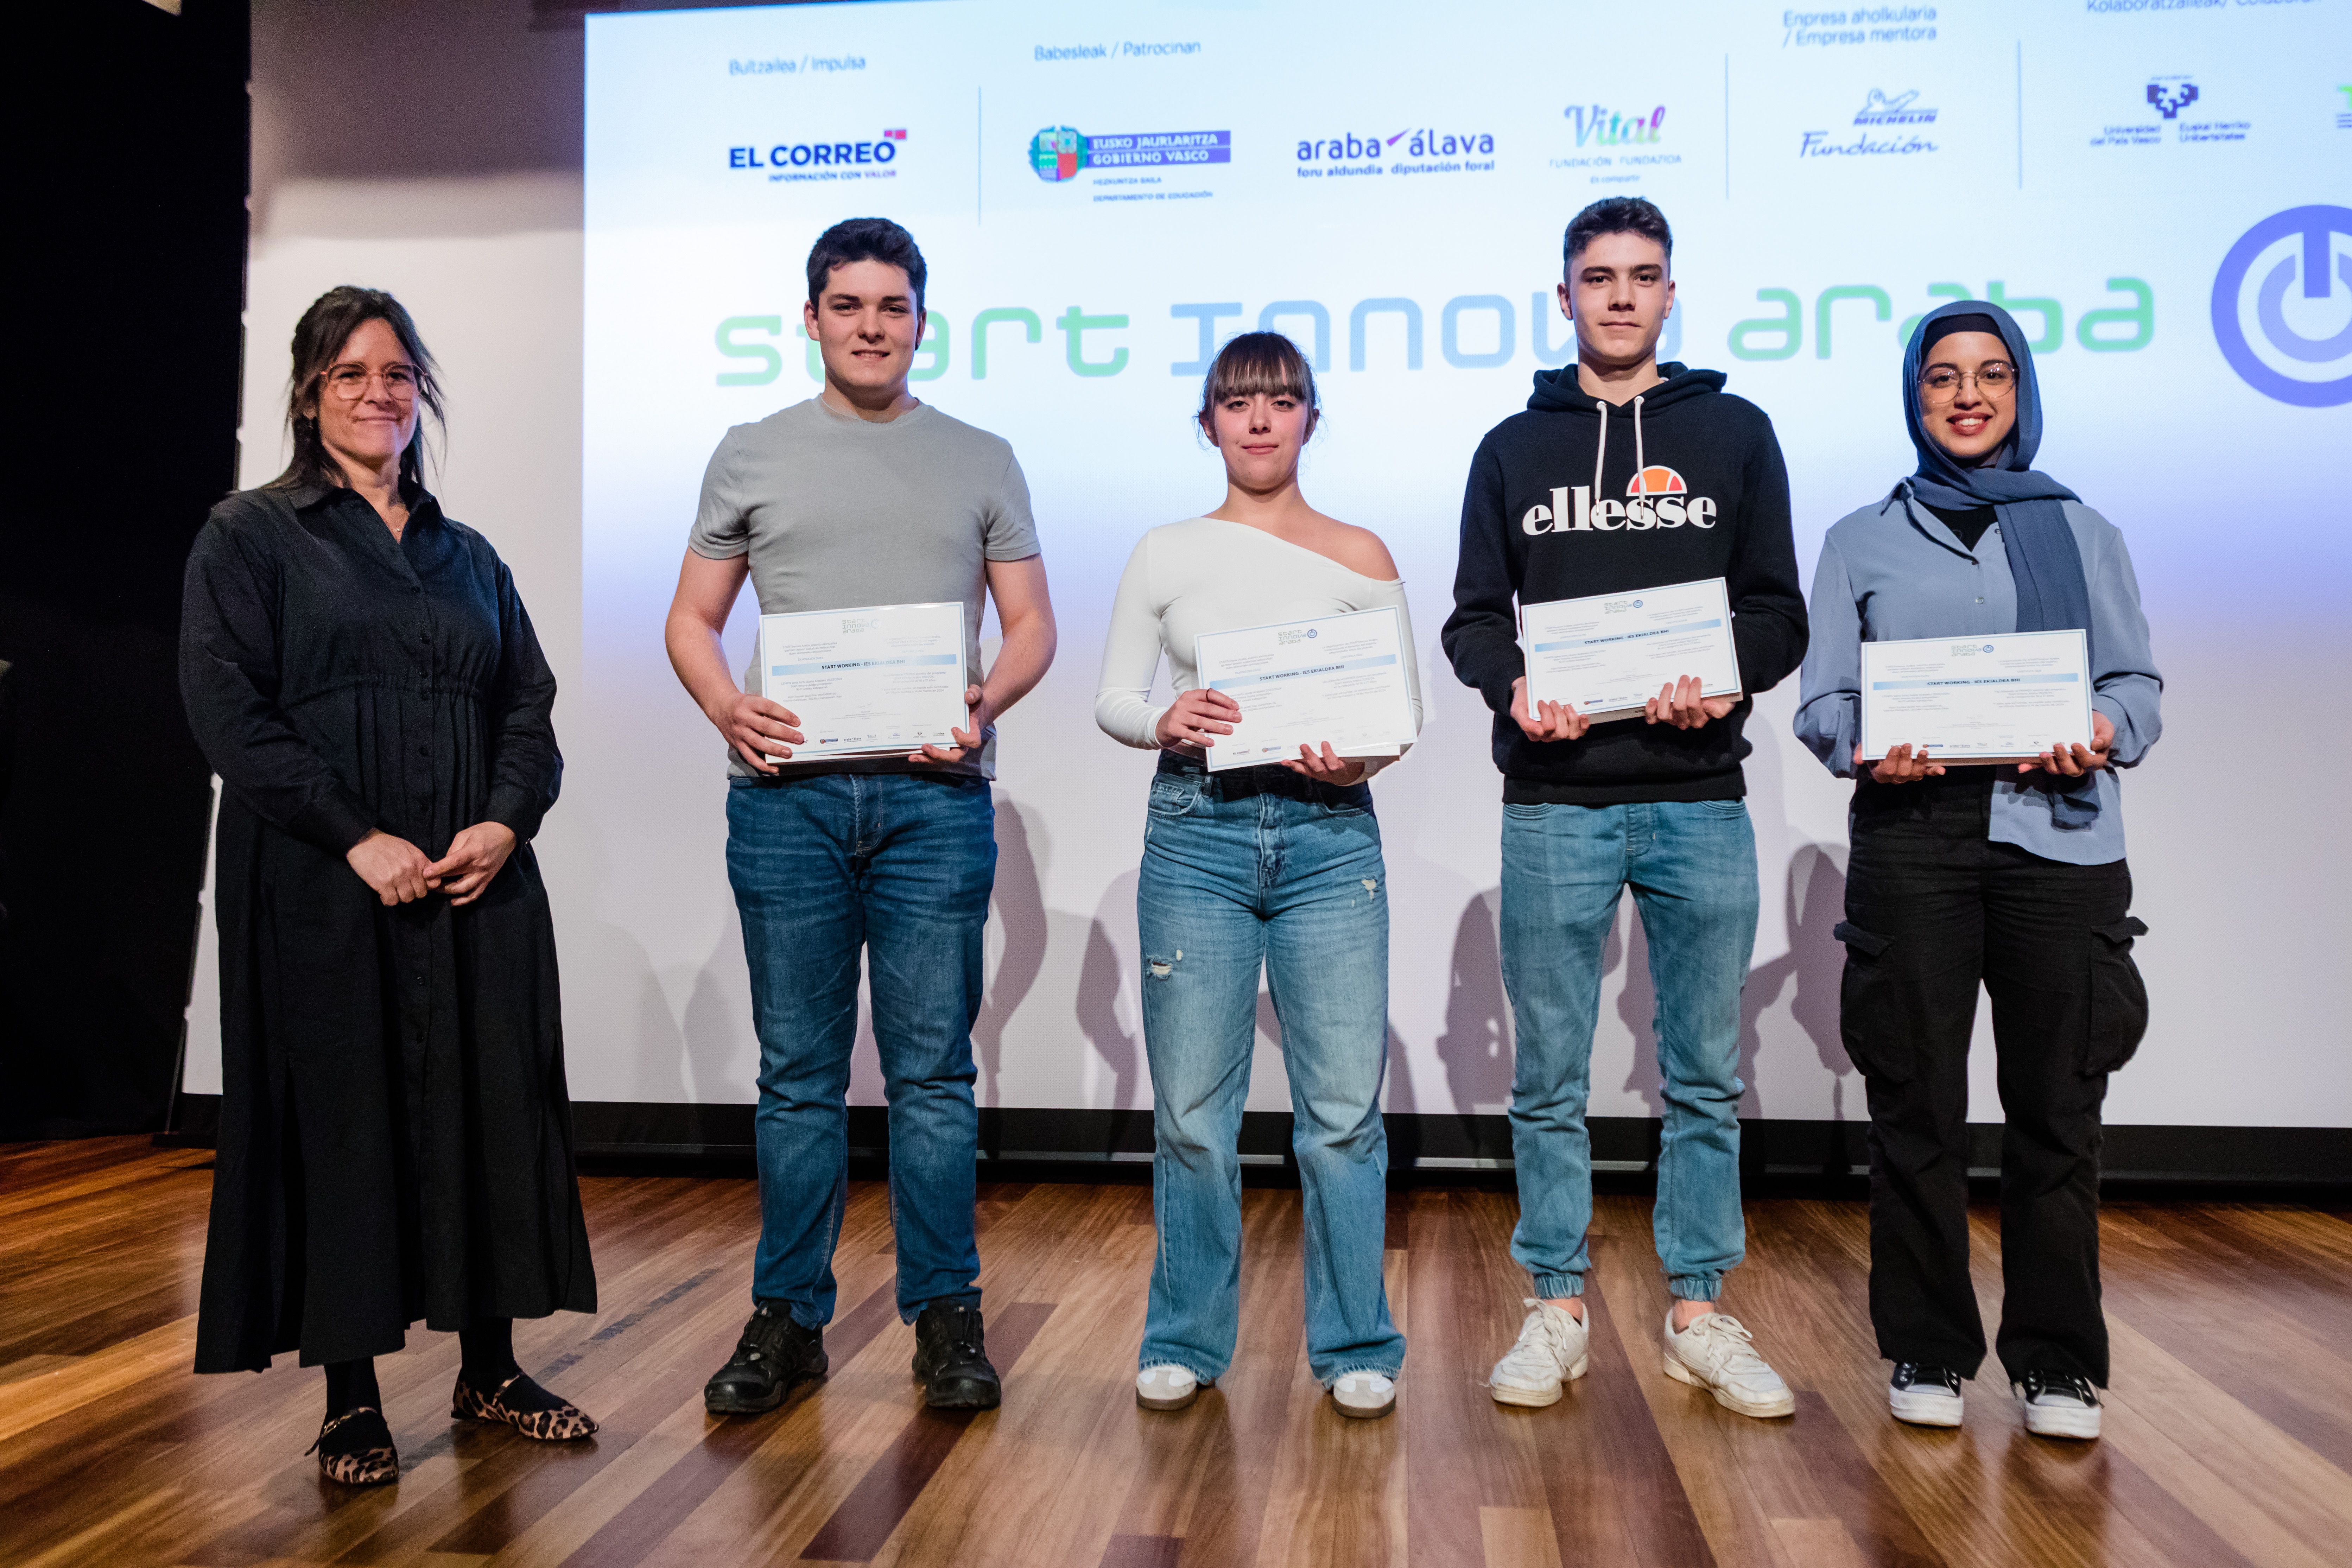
<point x="1210" y="576"/>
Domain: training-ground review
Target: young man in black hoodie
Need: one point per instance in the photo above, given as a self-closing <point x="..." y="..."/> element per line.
<point x="1688" y="485"/>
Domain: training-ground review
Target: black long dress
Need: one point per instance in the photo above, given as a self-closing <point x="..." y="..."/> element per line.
<point x="395" y="1137"/>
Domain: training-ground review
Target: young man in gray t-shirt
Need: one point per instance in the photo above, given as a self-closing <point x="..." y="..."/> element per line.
<point x="862" y="496"/>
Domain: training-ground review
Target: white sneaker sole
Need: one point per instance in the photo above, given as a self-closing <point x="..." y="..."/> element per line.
<point x="2046" y="1421"/>
<point x="1537" y="1399"/>
<point x="1170" y="1402"/>
<point x="1763" y="1409"/>
<point x="1924" y="1409"/>
<point x="1363" y="1412"/>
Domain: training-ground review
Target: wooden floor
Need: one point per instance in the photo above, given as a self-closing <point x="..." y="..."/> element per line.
<point x="2229" y="1429"/>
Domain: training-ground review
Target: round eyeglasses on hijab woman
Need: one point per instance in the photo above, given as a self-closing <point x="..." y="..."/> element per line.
<point x="395" y="1137"/>
<point x="2008" y="876"/>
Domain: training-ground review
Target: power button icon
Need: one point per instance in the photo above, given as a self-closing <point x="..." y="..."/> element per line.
<point x="2283" y="306"/>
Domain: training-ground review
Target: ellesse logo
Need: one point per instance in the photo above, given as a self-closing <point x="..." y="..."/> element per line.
<point x="1659" y="499"/>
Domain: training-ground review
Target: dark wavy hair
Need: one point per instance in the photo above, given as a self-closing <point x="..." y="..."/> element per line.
<point x="866" y="239"/>
<point x="1259" y="363"/>
<point x="1616" y="214"/>
<point x="319" y="339"/>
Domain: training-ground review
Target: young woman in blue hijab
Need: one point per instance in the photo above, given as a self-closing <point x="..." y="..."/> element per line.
<point x="2012" y="875"/>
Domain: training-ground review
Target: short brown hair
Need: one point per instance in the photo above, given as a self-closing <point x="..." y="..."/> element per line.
<point x="1259" y="364"/>
<point x="1617" y="214"/>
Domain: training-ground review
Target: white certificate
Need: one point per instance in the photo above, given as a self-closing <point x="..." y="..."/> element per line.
<point x="1607" y="655"/>
<point x="888" y="677"/>
<point x="2000" y="698"/>
<point x="1336" y="680"/>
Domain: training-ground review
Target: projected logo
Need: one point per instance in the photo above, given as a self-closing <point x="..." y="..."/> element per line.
<point x="1903" y="109"/>
<point x="2283" y="306"/>
<point x="1605" y="127"/>
<point x="1884" y="127"/>
<point x="1058" y="153"/>
<point x="1657" y="479"/>
<point x="2168" y="95"/>
<point x="830" y="156"/>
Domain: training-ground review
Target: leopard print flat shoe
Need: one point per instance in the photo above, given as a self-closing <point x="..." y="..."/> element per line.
<point x="523" y="1405"/>
<point x="355" y="1448"/>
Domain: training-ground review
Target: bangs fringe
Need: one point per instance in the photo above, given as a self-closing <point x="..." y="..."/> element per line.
<point x="1258" y="364"/>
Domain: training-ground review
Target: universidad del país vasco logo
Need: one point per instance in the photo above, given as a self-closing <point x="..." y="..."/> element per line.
<point x="2168" y="95"/>
<point x="2308" y="251"/>
<point x="883" y="149"/>
<point x="1059" y="152"/>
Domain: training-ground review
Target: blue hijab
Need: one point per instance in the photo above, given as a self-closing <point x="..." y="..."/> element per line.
<point x="2052" y="593"/>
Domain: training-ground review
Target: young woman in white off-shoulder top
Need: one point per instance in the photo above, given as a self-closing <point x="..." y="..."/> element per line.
<point x="1275" y="867"/>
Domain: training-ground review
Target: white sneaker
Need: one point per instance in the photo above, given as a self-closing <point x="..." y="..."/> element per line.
<point x="2059" y="1404"/>
<point x="1364" y="1394"/>
<point x="1925" y="1395"/>
<point x="1552" y="1352"/>
<point x="1166" y="1387"/>
<point x="1719" y="1355"/>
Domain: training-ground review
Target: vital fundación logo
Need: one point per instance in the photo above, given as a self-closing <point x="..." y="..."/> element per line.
<point x="2283" y="306"/>
<point x="1885" y="128"/>
<point x="1659" y="499"/>
<point x="1606" y="128"/>
<point x="833" y="157"/>
<point x="1059" y="152"/>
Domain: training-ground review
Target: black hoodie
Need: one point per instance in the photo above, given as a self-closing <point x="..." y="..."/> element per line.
<point x="1540" y="523"/>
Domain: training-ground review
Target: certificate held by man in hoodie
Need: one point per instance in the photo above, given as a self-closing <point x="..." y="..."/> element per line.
<point x="1609" y="655"/>
<point x="881" y="680"/>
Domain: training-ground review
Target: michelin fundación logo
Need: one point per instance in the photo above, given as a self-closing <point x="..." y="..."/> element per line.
<point x="1885" y="128"/>
<point x="2283" y="306"/>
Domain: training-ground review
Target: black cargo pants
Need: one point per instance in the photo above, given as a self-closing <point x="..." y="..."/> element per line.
<point x="1933" y="908"/>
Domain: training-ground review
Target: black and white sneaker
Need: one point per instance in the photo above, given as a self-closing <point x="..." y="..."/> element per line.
<point x="2059" y="1404"/>
<point x="1925" y="1395"/>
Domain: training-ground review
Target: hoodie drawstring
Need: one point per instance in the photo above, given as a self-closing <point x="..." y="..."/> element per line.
<point x="1601" y="455"/>
<point x="1641" y="464"/>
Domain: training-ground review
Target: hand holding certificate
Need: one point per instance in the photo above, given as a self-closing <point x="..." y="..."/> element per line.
<point x="2016" y="697"/>
<point x="1335" y="681"/>
<point x="1658" y="652"/>
<point x="866" y="682"/>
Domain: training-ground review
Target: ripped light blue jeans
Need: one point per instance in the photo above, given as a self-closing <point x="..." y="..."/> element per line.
<point x="1243" y="870"/>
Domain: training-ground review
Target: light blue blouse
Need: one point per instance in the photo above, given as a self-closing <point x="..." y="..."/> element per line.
<point x="1892" y="570"/>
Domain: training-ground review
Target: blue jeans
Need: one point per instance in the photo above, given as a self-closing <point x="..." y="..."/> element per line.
<point x="1692" y="866"/>
<point x="1242" y="870"/>
<point x="899" y="866"/>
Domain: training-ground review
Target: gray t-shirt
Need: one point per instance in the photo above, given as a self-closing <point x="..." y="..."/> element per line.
<point x="838" y="512"/>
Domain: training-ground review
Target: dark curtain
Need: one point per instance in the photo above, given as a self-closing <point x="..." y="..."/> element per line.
<point x="126" y="208"/>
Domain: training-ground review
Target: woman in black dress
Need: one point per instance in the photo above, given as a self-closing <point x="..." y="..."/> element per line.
<point x="395" y="1137"/>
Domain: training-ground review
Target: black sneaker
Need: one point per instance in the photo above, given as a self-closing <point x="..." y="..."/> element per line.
<point x="1925" y="1395"/>
<point x="951" y="1358"/>
<point x="774" y="1354"/>
<point x="2059" y="1404"/>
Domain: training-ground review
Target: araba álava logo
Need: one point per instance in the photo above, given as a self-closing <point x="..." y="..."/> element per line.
<point x="1659" y="499"/>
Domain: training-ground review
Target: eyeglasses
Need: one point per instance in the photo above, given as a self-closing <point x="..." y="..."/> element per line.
<point x="349" y="382"/>
<point x="1994" y="382"/>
